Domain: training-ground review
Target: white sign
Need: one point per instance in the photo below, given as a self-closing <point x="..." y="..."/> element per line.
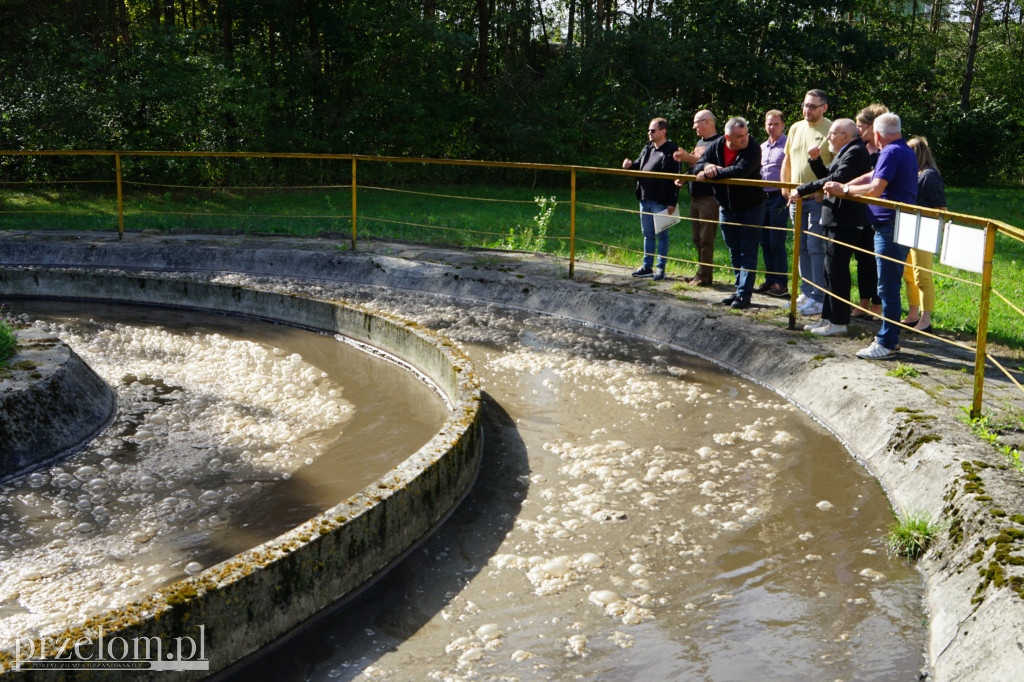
<point x="919" y="232"/>
<point x="964" y="248"/>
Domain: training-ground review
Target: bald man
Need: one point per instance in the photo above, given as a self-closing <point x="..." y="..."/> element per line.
<point x="840" y="219"/>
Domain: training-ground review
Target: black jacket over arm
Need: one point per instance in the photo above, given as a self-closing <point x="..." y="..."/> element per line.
<point x="850" y="163"/>
<point x="746" y="165"/>
<point x="660" y="190"/>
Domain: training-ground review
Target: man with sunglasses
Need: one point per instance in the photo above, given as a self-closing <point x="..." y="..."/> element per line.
<point x="810" y="133"/>
<point x="656" y="195"/>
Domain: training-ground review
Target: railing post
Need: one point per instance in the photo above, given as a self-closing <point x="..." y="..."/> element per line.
<point x="572" y="225"/>
<point x="794" y="279"/>
<point x="986" y="294"/>
<point x="120" y="198"/>
<point x="353" y="203"/>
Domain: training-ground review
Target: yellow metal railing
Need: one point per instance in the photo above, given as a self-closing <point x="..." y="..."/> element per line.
<point x="992" y="227"/>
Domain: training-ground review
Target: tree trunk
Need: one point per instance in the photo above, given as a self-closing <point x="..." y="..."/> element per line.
<point x="937" y="9"/>
<point x="226" y="20"/>
<point x="972" y="49"/>
<point x="572" y="23"/>
<point x="483" y="10"/>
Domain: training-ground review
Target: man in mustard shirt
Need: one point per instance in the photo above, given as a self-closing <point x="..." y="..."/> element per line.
<point x="804" y="135"/>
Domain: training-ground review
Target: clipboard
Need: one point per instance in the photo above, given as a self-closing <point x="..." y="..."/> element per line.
<point x="663" y="221"/>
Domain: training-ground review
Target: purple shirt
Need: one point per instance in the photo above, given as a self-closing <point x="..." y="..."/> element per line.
<point x="897" y="165"/>
<point x="772" y="154"/>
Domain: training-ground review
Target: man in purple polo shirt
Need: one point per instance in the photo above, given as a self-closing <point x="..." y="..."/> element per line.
<point x="773" y="239"/>
<point x="895" y="179"/>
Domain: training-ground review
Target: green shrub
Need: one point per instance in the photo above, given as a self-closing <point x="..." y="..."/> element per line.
<point x="8" y="339"/>
<point x="911" y="534"/>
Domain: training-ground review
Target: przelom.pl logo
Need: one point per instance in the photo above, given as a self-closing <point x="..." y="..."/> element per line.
<point x="112" y="653"/>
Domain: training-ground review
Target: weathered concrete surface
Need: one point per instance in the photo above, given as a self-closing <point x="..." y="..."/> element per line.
<point x="50" y="402"/>
<point x="906" y="432"/>
<point x="259" y="595"/>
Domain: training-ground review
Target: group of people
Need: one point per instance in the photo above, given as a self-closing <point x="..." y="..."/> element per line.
<point x="829" y="161"/>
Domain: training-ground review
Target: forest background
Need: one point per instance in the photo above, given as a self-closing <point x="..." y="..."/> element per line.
<point x="555" y="81"/>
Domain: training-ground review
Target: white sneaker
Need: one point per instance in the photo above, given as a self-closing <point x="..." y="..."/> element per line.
<point x="829" y="329"/>
<point x="801" y="299"/>
<point x="810" y="308"/>
<point x="877" y="351"/>
<point x="814" y="325"/>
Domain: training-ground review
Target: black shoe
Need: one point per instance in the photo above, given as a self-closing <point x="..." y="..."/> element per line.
<point x="643" y="271"/>
<point x="741" y="303"/>
<point x="659" y="274"/>
<point x="729" y="301"/>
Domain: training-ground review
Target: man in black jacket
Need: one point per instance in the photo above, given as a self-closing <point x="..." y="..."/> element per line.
<point x="841" y="220"/>
<point x="741" y="211"/>
<point x="655" y="194"/>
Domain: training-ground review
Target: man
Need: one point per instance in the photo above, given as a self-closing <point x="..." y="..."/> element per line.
<point x="803" y="135"/>
<point x="656" y="195"/>
<point x="842" y="220"/>
<point x="703" y="207"/>
<point x="773" y="239"/>
<point x="895" y="179"/>
<point x="741" y="206"/>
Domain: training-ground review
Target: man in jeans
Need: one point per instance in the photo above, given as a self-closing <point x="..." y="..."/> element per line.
<point x="655" y="195"/>
<point x="895" y="179"/>
<point x="737" y="155"/>
<point x="796" y="167"/>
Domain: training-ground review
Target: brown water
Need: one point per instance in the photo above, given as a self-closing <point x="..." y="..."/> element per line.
<point x="229" y="431"/>
<point x="640" y="515"/>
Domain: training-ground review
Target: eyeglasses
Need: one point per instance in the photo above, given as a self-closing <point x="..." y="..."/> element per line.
<point x="700" y="120"/>
<point x="653" y="130"/>
<point x="806" y="105"/>
<point x="835" y="133"/>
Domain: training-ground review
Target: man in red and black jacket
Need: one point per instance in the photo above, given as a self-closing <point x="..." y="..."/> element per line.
<point x="737" y="156"/>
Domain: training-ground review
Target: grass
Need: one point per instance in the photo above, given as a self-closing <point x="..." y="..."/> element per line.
<point x="911" y="534"/>
<point x="991" y="430"/>
<point x="498" y="215"/>
<point x="8" y="338"/>
<point x="902" y="369"/>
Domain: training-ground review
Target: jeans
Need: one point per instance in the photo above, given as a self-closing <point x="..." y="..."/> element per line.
<point x="647" y="227"/>
<point x="742" y="240"/>
<point x="890" y="279"/>
<point x="773" y="241"/>
<point x="812" y="249"/>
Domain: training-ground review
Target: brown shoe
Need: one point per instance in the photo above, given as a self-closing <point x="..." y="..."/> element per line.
<point x="699" y="281"/>
<point x="762" y="288"/>
<point x="778" y="291"/>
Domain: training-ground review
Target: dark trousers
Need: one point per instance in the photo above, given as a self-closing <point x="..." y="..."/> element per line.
<point x="837" y="274"/>
<point x="867" y="268"/>
<point x="742" y="238"/>
<point x="703" y="224"/>
<point x="773" y="241"/>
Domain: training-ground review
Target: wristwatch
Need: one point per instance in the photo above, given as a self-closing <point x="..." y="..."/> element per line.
<point x="846" y="190"/>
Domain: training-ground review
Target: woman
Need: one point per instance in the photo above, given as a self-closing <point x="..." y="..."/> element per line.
<point x="931" y="193"/>
<point x="867" y="267"/>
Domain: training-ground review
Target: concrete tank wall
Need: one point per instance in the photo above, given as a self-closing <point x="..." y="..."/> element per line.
<point x="258" y="596"/>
